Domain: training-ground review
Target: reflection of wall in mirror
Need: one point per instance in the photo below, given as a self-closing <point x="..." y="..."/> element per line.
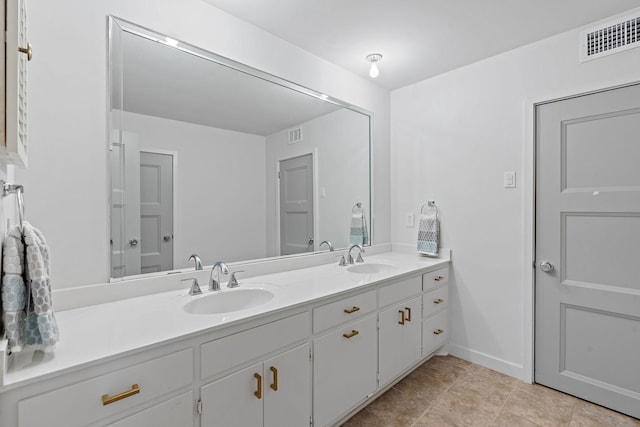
<point x="341" y="140"/>
<point x="215" y="166"/>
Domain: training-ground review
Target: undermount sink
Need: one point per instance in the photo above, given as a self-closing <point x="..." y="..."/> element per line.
<point x="229" y="300"/>
<point x="370" y="268"/>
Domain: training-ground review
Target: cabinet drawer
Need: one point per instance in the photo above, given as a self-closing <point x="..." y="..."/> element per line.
<point x="174" y="412"/>
<point x="434" y="301"/>
<point x="435" y="278"/>
<point x="225" y="353"/>
<point x="338" y="312"/>
<point x="82" y="403"/>
<point x="399" y="291"/>
<point x="435" y="332"/>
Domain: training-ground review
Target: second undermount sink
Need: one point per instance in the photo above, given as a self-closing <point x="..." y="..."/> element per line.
<point x="229" y="300"/>
<point x="370" y="268"/>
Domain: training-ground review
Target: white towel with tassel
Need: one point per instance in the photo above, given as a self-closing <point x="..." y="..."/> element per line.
<point x="429" y="232"/>
<point x="27" y="311"/>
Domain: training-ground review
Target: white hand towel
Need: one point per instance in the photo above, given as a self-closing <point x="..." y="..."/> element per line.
<point x="429" y="233"/>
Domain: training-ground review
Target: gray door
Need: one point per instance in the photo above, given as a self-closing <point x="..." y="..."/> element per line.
<point x="296" y="205"/>
<point x="587" y="334"/>
<point x="156" y="212"/>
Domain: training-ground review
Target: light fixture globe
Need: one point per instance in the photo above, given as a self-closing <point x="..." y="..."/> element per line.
<point x="374" y="58"/>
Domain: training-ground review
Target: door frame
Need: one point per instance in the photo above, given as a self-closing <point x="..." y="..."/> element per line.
<point x="529" y="221"/>
<point x="314" y="190"/>
<point x="176" y="240"/>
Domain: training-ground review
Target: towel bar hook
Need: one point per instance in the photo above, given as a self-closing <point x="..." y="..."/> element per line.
<point x="19" y="191"/>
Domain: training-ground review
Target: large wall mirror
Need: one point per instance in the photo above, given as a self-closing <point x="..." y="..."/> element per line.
<point x="212" y="157"/>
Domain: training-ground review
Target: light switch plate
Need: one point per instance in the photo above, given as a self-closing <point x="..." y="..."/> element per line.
<point x="410" y="220"/>
<point x="510" y="179"/>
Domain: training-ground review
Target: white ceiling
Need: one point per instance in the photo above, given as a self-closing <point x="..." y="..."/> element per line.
<point x="418" y="38"/>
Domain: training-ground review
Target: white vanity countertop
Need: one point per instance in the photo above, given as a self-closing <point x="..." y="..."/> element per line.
<point x="101" y="332"/>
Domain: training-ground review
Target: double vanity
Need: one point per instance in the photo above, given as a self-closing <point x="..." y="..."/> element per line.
<point x="307" y="346"/>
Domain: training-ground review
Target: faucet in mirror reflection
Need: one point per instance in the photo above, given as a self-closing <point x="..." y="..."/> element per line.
<point x="359" y="233"/>
<point x="429" y="229"/>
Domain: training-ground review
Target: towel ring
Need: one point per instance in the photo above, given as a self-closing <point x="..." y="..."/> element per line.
<point x="429" y="204"/>
<point x="18" y="190"/>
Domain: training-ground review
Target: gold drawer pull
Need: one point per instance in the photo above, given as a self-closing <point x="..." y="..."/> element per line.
<point x="352" y="309"/>
<point x="408" y="313"/>
<point x="437" y="279"/>
<point x="438" y="332"/>
<point x="402" y="319"/>
<point x="106" y="400"/>
<point x="351" y="335"/>
<point x="274" y="385"/>
<point x="258" y="392"/>
<point x="438" y="301"/>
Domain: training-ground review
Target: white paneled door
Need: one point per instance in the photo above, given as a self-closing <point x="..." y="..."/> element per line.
<point x="296" y="205"/>
<point x="587" y="327"/>
<point x="156" y="212"/>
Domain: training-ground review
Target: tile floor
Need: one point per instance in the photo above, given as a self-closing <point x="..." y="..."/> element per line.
<point x="447" y="391"/>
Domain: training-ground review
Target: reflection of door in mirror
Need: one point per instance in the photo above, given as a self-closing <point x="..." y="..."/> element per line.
<point x="156" y="211"/>
<point x="296" y="205"/>
<point x="141" y="216"/>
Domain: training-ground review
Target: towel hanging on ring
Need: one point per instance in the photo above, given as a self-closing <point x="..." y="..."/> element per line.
<point x="429" y="230"/>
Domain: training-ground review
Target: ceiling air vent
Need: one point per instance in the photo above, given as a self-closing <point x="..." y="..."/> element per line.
<point x="295" y="135"/>
<point x="610" y="37"/>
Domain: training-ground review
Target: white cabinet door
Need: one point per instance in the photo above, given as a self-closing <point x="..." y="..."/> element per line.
<point x="287" y="388"/>
<point x="400" y="338"/>
<point x="235" y="400"/>
<point x="174" y="412"/>
<point x="344" y="369"/>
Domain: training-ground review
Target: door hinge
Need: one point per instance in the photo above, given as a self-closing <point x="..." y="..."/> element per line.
<point x="310" y="421"/>
<point x="278" y="174"/>
<point x="310" y="354"/>
<point x="199" y="407"/>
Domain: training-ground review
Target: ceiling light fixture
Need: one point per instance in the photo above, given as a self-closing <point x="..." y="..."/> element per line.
<point x="374" y="58"/>
<point x="171" y="42"/>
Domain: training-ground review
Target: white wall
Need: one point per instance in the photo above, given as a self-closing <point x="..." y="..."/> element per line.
<point x="339" y="141"/>
<point x="66" y="183"/>
<point x="214" y="167"/>
<point x="452" y="138"/>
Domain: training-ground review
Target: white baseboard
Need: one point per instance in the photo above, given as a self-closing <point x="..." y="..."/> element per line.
<point x="489" y="361"/>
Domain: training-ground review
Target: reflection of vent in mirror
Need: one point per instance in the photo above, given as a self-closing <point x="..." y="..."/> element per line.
<point x="610" y="37"/>
<point x="295" y="135"/>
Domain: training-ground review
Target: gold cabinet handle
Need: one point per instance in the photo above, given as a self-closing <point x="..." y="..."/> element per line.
<point x="258" y="392"/>
<point x="402" y="319"/>
<point x="27" y="50"/>
<point x="408" y="313"/>
<point x="438" y="332"/>
<point x="108" y="400"/>
<point x="352" y="309"/>
<point x="274" y="385"/>
<point x="437" y="279"/>
<point x="351" y="335"/>
<point x="438" y="301"/>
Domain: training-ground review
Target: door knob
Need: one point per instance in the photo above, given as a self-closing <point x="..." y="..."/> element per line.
<point x="166" y="237"/>
<point x="133" y="242"/>
<point x="310" y="242"/>
<point x="546" y="266"/>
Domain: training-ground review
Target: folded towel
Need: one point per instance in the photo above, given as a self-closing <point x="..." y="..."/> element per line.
<point x="429" y="232"/>
<point x="28" y="315"/>
<point x="358" y="233"/>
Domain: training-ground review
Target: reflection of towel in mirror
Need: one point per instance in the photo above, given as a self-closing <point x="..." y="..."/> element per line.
<point x="359" y="233"/>
<point x="28" y="316"/>
<point x="429" y="234"/>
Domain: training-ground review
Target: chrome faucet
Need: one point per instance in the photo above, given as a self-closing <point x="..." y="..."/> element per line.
<point x="214" y="282"/>
<point x="328" y="243"/>
<point x="360" y="252"/>
<point x="196" y="259"/>
<point x="195" y="287"/>
<point x="233" y="282"/>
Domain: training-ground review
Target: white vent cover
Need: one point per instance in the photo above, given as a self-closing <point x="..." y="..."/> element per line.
<point x="295" y="135"/>
<point x="610" y="37"/>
